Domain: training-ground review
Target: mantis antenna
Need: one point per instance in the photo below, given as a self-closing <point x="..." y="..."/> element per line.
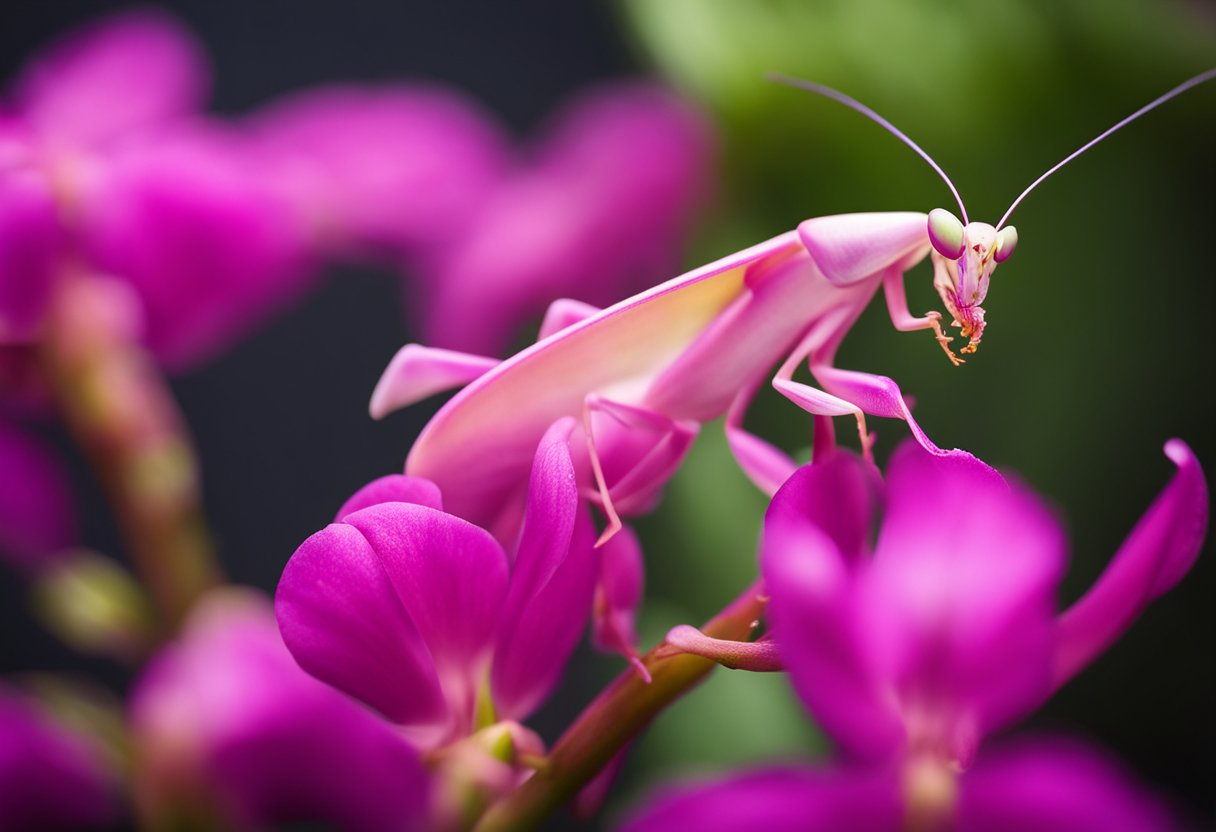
<point x="854" y="104"/>
<point x="1157" y="102"/>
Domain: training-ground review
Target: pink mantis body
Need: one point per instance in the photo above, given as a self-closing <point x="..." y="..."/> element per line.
<point x="643" y="374"/>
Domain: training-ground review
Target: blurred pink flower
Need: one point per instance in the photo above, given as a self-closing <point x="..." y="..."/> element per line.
<point x="598" y="212"/>
<point x="1044" y="784"/>
<point x="910" y="654"/>
<point x="394" y="170"/>
<point x="225" y="723"/>
<point x="947" y="630"/>
<point x="51" y="777"/>
<point x="36" y="509"/>
<point x="107" y="167"/>
<point x="426" y="618"/>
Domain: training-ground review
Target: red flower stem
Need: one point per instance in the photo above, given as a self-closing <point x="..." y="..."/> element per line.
<point x="119" y="410"/>
<point x="616" y="716"/>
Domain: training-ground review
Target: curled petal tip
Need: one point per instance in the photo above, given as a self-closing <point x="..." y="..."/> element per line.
<point x="757" y="656"/>
<point x="1179" y="452"/>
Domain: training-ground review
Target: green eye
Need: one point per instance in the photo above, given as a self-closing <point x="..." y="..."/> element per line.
<point x="1006" y="242"/>
<point x="946" y="233"/>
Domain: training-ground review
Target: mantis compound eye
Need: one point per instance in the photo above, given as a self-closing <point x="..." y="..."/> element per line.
<point x="946" y="233"/>
<point x="1006" y="242"/>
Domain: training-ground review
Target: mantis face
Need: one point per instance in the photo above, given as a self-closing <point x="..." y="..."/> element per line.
<point x="964" y="258"/>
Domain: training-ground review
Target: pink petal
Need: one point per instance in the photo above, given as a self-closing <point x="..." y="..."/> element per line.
<point x="778" y="800"/>
<point x="395" y="488"/>
<point x="401" y="168"/>
<point x="839" y="496"/>
<point x="1055" y="785"/>
<point x="451" y="578"/>
<point x="1157" y="554"/>
<point x="125" y="73"/>
<point x="208" y="244"/>
<point x="815" y="619"/>
<point x="618" y="593"/>
<point x="36" y="507"/>
<point x="960" y="598"/>
<point x="226" y="711"/>
<point x="552" y="582"/>
<point x="342" y="620"/>
<point x="31" y="243"/>
<point x="755" y="656"/>
<point x="816" y="533"/>
<point x="598" y="216"/>
<point x="51" y="777"/>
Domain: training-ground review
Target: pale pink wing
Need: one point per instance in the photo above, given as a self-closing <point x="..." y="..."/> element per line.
<point x="479" y="447"/>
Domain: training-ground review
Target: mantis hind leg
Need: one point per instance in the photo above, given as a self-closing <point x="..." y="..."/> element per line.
<point x="631" y="452"/>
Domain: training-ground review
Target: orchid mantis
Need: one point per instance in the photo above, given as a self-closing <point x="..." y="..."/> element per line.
<point x="642" y="375"/>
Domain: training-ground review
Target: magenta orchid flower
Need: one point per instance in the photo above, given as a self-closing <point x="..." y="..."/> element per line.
<point x="1031" y="784"/>
<point x="207" y="242"/>
<point x="225" y="721"/>
<point x="85" y="96"/>
<point x="427" y="618"/>
<point x="401" y="170"/>
<point x="106" y="167"/>
<point x="910" y="653"/>
<point x="598" y="212"/>
<point x="51" y="776"/>
<point x="37" y="518"/>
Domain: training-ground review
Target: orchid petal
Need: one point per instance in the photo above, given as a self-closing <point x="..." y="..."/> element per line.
<point x="451" y="577"/>
<point x="395" y="488"/>
<point x="756" y="656"/>
<point x="36" y="507"/>
<point x="839" y="496"/>
<point x="843" y="246"/>
<point x="551" y="584"/>
<point x="31" y="242"/>
<point x="814" y="616"/>
<point x="205" y="241"/>
<point x="225" y="709"/>
<point x="125" y="73"/>
<point x="51" y="777"/>
<point x="960" y="596"/>
<point x="1055" y="785"/>
<point x="618" y="594"/>
<point x="598" y="214"/>
<point x="403" y="168"/>
<point x="778" y="800"/>
<point x="1155" y="556"/>
<point x="342" y="620"/>
<point x="417" y="372"/>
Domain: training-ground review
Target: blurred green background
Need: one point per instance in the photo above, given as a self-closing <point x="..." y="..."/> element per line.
<point x="1100" y="338"/>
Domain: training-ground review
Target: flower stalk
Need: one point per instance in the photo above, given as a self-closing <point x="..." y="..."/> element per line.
<point x="616" y="716"/>
<point x="119" y="410"/>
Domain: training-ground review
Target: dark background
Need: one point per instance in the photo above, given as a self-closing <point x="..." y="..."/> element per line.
<point x="1099" y="348"/>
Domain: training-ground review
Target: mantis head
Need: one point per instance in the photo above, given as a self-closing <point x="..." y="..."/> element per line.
<point x="964" y="258"/>
<point x="966" y="253"/>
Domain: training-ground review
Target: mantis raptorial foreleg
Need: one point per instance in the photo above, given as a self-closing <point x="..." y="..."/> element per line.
<point x="905" y="321"/>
